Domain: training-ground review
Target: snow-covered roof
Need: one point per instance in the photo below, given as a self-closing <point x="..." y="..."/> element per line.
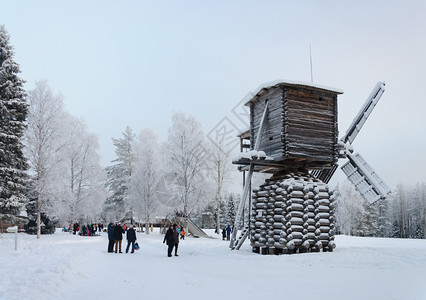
<point x="244" y="131"/>
<point x="273" y="83"/>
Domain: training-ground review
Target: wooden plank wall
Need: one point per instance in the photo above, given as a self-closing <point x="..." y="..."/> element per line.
<point x="301" y="123"/>
<point x="271" y="141"/>
<point x="310" y="124"/>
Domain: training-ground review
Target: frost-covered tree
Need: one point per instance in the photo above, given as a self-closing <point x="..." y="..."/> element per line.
<point x="47" y="223"/>
<point x="13" y="113"/>
<point x="231" y="209"/>
<point x="383" y="221"/>
<point x="408" y="210"/>
<point x="147" y="172"/>
<point x="187" y="154"/>
<point x="349" y="209"/>
<point x="43" y="141"/>
<point x="369" y="223"/>
<point x="221" y="167"/>
<point x="418" y="211"/>
<point x="400" y="207"/>
<point x="81" y="178"/>
<point x="400" y="215"/>
<point x="119" y="176"/>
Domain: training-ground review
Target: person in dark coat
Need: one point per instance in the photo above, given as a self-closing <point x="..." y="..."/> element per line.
<point x="118" y="237"/>
<point x="228" y="232"/>
<point x="169" y="237"/>
<point x="111" y="239"/>
<point x="176" y="238"/>
<point x="224" y="233"/>
<point x="131" y="238"/>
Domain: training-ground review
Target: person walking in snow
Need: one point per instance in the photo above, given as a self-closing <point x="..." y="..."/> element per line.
<point x="228" y="232"/>
<point x="176" y="237"/>
<point x="182" y="233"/>
<point x="111" y="239"/>
<point x="224" y="233"/>
<point x="118" y="237"/>
<point x="169" y="238"/>
<point x="131" y="238"/>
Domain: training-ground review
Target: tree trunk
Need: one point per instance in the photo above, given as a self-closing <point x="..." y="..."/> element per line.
<point x="147" y="223"/>
<point x="424" y="218"/>
<point x="38" y="217"/>
<point x="185" y="213"/>
<point x="218" y="198"/>
<point x="218" y="216"/>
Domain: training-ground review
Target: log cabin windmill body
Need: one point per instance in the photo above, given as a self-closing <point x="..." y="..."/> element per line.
<point x="294" y="136"/>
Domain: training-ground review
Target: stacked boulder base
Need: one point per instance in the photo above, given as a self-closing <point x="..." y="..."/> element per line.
<point x="292" y="213"/>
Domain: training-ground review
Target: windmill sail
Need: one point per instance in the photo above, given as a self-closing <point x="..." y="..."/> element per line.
<point x="365" y="111"/>
<point x="365" y="179"/>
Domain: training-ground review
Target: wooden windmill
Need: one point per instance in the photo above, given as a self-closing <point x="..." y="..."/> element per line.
<point x="294" y="135"/>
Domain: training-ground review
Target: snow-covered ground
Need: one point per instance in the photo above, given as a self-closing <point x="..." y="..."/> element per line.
<point x="64" y="266"/>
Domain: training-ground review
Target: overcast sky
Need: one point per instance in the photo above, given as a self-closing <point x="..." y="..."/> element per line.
<point x="134" y="63"/>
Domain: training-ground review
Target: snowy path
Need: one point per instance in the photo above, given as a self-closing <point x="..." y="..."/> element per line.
<point x="63" y="266"/>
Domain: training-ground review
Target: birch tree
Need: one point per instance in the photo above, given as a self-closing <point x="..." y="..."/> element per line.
<point x="82" y="178"/>
<point x="220" y="171"/>
<point x="147" y="172"/>
<point x="43" y="140"/>
<point x="187" y="154"/>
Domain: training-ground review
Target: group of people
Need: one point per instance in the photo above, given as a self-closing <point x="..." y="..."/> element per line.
<point x="226" y="232"/>
<point x="85" y="230"/>
<point x="172" y="238"/>
<point x="116" y="231"/>
<point x="115" y="237"/>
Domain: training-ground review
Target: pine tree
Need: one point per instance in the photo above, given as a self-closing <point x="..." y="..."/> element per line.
<point x="230" y="210"/>
<point x="370" y="220"/>
<point x="119" y="176"/>
<point x="48" y="224"/>
<point x="384" y="224"/>
<point x="13" y="112"/>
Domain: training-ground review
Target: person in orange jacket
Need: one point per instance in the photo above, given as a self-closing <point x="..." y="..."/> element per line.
<point x="182" y="233"/>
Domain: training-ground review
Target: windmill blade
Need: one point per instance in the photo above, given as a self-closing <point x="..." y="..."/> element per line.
<point x="363" y="114"/>
<point x="325" y="174"/>
<point x="365" y="179"/>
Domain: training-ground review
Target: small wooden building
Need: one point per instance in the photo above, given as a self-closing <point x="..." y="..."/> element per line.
<point x="300" y="129"/>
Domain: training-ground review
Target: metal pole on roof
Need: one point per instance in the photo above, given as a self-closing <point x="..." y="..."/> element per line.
<point x="310" y="56"/>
